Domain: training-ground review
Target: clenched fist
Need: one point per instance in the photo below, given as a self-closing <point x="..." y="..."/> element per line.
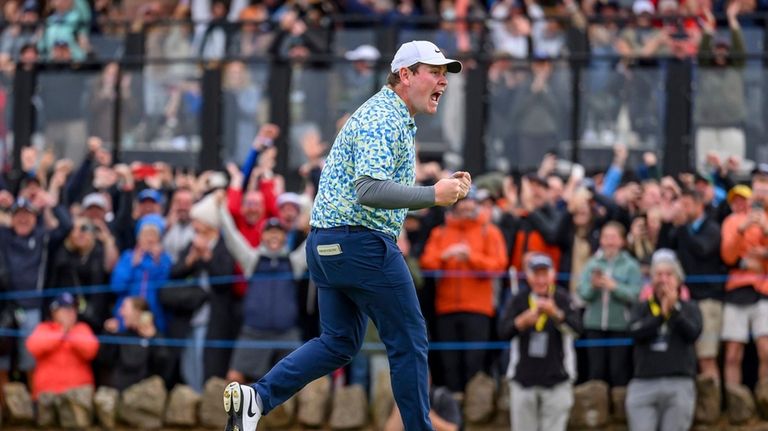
<point x="448" y="191"/>
<point x="466" y="182"/>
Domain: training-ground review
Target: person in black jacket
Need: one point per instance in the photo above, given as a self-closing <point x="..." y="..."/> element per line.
<point x="38" y="227"/>
<point x="697" y="245"/>
<point x="130" y="362"/>
<point x="193" y="309"/>
<point x="662" y="395"/>
<point x="85" y="261"/>
<point x="541" y="323"/>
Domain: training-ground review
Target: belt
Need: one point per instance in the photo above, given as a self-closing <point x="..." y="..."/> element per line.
<point x="343" y="229"/>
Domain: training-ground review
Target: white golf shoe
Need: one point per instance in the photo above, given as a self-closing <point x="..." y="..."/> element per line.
<point x="243" y="412"/>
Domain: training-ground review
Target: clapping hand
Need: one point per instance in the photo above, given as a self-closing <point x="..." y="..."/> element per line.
<point x="548" y="307"/>
<point x="527" y="319"/>
<point x="459" y="251"/>
<point x="669" y="298"/>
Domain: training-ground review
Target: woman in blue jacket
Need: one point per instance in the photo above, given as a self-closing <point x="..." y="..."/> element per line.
<point x="144" y="269"/>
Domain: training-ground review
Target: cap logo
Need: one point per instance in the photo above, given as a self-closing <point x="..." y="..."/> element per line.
<point x="437" y="51"/>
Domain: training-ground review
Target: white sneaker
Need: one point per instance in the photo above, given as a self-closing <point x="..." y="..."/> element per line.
<point x="242" y="410"/>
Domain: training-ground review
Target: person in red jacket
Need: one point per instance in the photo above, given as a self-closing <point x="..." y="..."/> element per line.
<point x="63" y="349"/>
<point x="466" y="246"/>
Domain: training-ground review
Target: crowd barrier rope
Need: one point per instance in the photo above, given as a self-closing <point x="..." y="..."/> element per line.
<point x="224" y="279"/>
<point x="289" y="345"/>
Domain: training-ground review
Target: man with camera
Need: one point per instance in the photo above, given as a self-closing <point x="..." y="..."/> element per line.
<point x="744" y="248"/>
<point x="127" y="363"/>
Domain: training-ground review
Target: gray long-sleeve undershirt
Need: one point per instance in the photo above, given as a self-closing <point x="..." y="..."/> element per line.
<point x="388" y="194"/>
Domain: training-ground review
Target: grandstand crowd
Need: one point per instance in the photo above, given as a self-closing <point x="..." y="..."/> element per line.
<point x="146" y="252"/>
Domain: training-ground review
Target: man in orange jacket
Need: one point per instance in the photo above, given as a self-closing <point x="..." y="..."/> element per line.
<point x="63" y="349"/>
<point x="744" y="248"/>
<point x="467" y="245"/>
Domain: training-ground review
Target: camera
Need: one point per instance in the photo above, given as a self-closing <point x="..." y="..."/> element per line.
<point x="146" y="318"/>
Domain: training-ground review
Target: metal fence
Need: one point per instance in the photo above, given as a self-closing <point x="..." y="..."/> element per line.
<point x="166" y="93"/>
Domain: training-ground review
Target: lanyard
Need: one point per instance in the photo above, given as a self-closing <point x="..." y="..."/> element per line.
<point x="654" y="306"/>
<point x="542" y="320"/>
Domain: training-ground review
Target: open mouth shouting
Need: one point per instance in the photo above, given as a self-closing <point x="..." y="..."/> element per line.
<point x="435" y="98"/>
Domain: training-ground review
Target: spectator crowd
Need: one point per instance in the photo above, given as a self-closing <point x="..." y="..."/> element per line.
<point x="93" y="250"/>
<point x="337" y="62"/>
<point x="148" y="253"/>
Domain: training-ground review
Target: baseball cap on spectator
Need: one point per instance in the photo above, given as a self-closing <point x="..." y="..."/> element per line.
<point x="23" y="204"/>
<point x="739" y="190"/>
<point x="422" y="51"/>
<point x="151" y="220"/>
<point x="272" y="223"/>
<point x="62" y="300"/>
<point x="95" y="200"/>
<point x="363" y="53"/>
<point x="643" y="6"/>
<point x="60" y="43"/>
<point x="539" y="261"/>
<point x="289" y="198"/>
<point x="151" y="194"/>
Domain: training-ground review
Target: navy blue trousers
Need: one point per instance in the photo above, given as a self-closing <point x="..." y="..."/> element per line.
<point x="369" y="278"/>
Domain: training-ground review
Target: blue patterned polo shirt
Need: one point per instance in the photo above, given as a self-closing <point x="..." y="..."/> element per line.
<point x="376" y="141"/>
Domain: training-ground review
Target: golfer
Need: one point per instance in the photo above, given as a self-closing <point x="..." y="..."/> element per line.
<point x="366" y="189"/>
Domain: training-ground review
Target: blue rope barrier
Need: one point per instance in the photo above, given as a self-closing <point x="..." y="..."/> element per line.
<point x="289" y="345"/>
<point x="228" y="279"/>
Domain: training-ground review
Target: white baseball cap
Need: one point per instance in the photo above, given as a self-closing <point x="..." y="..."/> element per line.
<point x="422" y="51"/>
<point x="95" y="200"/>
<point x="363" y="53"/>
